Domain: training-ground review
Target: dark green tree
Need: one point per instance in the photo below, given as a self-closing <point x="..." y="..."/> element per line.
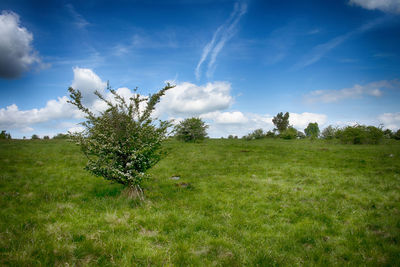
<point x="35" y="137"/>
<point x="312" y="130"/>
<point x="5" y="135"/>
<point x="281" y="121"/>
<point x="191" y="130"/>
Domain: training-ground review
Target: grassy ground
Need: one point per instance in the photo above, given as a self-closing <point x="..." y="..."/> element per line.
<point x="268" y="202"/>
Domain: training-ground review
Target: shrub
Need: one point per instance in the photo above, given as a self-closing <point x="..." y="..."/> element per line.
<point x="46" y="137"/>
<point x="270" y="134"/>
<point x="191" y="130"/>
<point x="124" y="141"/>
<point x="396" y="135"/>
<point x="300" y="135"/>
<point x="5" y="135"/>
<point x="289" y="133"/>
<point x="329" y="132"/>
<point x="61" y="136"/>
<point x="360" y="134"/>
<point x="35" y="137"/>
<point x="256" y="134"/>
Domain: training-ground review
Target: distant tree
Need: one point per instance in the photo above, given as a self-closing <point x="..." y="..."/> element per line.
<point x="300" y="135"/>
<point x="289" y="133"/>
<point x="360" y="134"/>
<point x="124" y="141"/>
<point x="24" y="137"/>
<point x="270" y="134"/>
<point x="235" y="137"/>
<point x="396" y="135"/>
<point x="191" y="130"/>
<point x="312" y="130"/>
<point x="388" y="133"/>
<point x="256" y="134"/>
<point x="61" y="136"/>
<point x="329" y="132"/>
<point x="281" y="121"/>
<point x="230" y="136"/>
<point x="5" y="135"/>
<point x="35" y="137"/>
<point x="46" y="137"/>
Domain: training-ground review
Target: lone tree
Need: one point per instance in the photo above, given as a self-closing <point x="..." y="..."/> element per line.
<point x="191" y="130"/>
<point x="122" y="142"/>
<point x="312" y="130"/>
<point x="281" y="121"/>
<point x="5" y="135"/>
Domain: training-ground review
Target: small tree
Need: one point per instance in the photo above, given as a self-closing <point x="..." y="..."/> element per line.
<point x="329" y="132"/>
<point x="396" y="135"/>
<point x="123" y="142"/>
<point x="191" y="130"/>
<point x="312" y="130"/>
<point x="5" y="135"/>
<point x="35" y="137"/>
<point x="46" y="137"/>
<point x="281" y="121"/>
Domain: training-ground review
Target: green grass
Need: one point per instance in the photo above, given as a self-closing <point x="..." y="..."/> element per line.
<point x="264" y="202"/>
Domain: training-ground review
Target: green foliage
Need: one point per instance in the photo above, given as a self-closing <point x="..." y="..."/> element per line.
<point x="35" y="137"/>
<point x="191" y="130"/>
<point x="123" y="142"/>
<point x="281" y="121"/>
<point x="312" y="130"/>
<point x="289" y="133"/>
<point x="270" y="134"/>
<point x="329" y="132"/>
<point x="5" y="135"/>
<point x="300" y="135"/>
<point x="46" y="137"/>
<point x="396" y="135"/>
<point x="61" y="136"/>
<point x="388" y="134"/>
<point x="360" y="134"/>
<point x="256" y="134"/>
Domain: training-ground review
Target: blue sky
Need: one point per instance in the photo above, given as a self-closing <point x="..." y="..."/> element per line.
<point x="235" y="63"/>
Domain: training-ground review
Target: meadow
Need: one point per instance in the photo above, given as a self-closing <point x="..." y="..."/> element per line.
<point x="256" y="203"/>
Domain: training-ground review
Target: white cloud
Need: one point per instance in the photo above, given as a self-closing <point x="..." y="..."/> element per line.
<point x="371" y="89"/>
<point x="87" y="82"/>
<point x="78" y="19"/>
<point x="390" y="120"/>
<point x="390" y="6"/>
<point x="16" y="52"/>
<point x="301" y="121"/>
<point x="189" y="99"/>
<point x="223" y="34"/>
<point x="13" y="118"/>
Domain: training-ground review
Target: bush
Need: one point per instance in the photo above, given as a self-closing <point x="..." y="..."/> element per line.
<point x="46" y="137"/>
<point x="329" y="132"/>
<point x="270" y="134"/>
<point x="256" y="134"/>
<point x="35" y="137"/>
<point x="289" y="133"/>
<point x="191" y="130"/>
<point x="396" y="135"/>
<point x="360" y="134"/>
<point x="300" y="135"/>
<point x="61" y="136"/>
<point x="5" y="135"/>
<point x="123" y="142"/>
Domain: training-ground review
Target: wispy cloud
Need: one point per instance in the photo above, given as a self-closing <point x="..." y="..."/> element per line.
<point x="79" y="20"/>
<point x="321" y="50"/>
<point x="223" y="34"/>
<point x="390" y="6"/>
<point x="371" y="89"/>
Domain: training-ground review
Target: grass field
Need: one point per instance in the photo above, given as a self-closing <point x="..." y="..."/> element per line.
<point x="266" y="202"/>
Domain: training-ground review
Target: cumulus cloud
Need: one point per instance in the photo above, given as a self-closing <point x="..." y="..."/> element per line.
<point x="371" y="89"/>
<point x="193" y="100"/>
<point x="223" y="34"/>
<point x="390" y="120"/>
<point x="86" y="81"/>
<point x="390" y="6"/>
<point x="13" y="118"/>
<point x="301" y="121"/>
<point x="16" y="52"/>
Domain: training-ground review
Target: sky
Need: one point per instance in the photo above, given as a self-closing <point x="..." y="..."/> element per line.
<point x="235" y="64"/>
